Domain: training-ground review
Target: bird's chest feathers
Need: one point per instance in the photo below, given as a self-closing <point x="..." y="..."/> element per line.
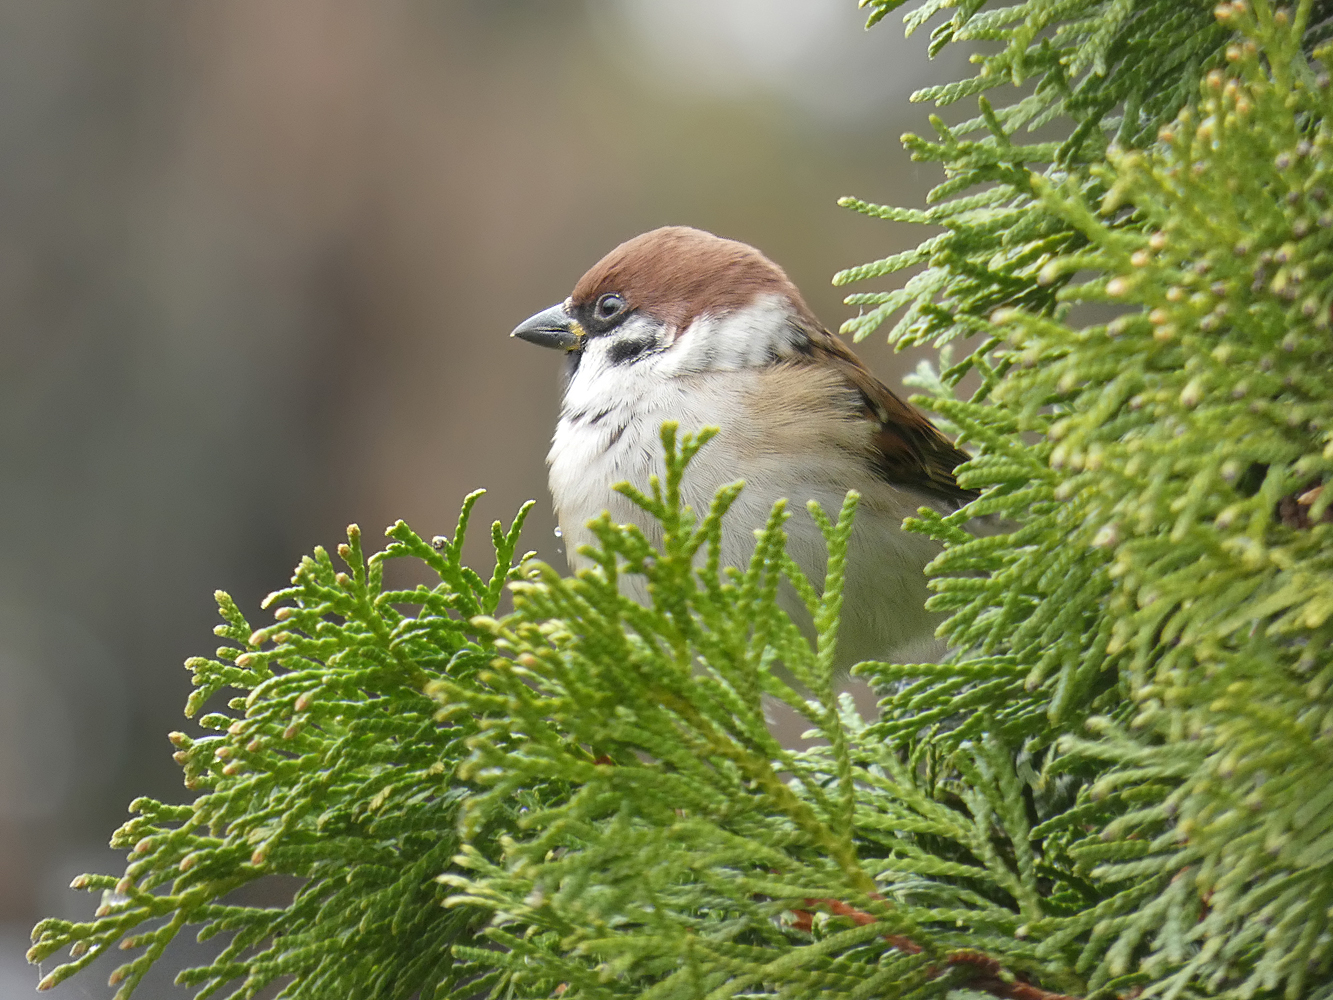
<point x="612" y="433"/>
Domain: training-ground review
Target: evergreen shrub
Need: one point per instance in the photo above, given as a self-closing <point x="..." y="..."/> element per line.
<point x="1118" y="783"/>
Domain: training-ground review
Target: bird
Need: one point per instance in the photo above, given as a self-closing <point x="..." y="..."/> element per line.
<point x="679" y="324"/>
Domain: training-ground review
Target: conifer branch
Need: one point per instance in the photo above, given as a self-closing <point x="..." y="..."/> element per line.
<point x="1117" y="784"/>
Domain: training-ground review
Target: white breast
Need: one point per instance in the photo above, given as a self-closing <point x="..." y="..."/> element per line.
<point x="609" y="432"/>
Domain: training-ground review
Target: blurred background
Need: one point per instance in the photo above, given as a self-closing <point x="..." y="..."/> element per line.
<point x="258" y="264"/>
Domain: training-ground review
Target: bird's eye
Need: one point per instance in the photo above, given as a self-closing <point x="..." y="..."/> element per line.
<point x="609" y="306"/>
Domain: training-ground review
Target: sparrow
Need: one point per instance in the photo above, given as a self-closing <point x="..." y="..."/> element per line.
<point x="679" y="324"/>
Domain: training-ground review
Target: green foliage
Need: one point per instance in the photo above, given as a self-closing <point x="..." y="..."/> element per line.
<point x="1117" y="786"/>
<point x="331" y="768"/>
<point x="681" y="865"/>
<point x="1099" y="72"/>
<point x="626" y="820"/>
<point x="1156" y="628"/>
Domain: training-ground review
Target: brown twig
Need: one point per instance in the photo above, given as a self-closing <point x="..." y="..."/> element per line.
<point x="989" y="976"/>
<point x="1294" y="510"/>
<point x="805" y="921"/>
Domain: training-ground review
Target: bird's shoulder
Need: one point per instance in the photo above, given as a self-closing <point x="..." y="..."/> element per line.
<point x="907" y="450"/>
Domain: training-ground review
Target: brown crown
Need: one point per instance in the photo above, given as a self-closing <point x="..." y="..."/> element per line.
<point x="676" y="273"/>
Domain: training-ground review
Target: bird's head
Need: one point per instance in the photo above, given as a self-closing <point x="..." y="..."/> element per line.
<point x="676" y="301"/>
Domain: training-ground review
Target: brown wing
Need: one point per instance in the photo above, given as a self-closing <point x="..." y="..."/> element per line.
<point x="909" y="449"/>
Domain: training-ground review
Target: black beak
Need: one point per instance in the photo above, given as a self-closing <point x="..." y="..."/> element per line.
<point x="552" y="327"/>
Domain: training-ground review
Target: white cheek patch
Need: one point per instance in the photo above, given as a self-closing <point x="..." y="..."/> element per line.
<point x="611" y="368"/>
<point x="624" y="370"/>
<point x="758" y="334"/>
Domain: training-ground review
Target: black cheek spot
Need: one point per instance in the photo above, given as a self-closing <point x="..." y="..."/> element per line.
<point x="800" y="341"/>
<point x="623" y="351"/>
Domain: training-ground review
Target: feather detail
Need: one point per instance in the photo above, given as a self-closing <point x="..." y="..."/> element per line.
<point x="909" y="450"/>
